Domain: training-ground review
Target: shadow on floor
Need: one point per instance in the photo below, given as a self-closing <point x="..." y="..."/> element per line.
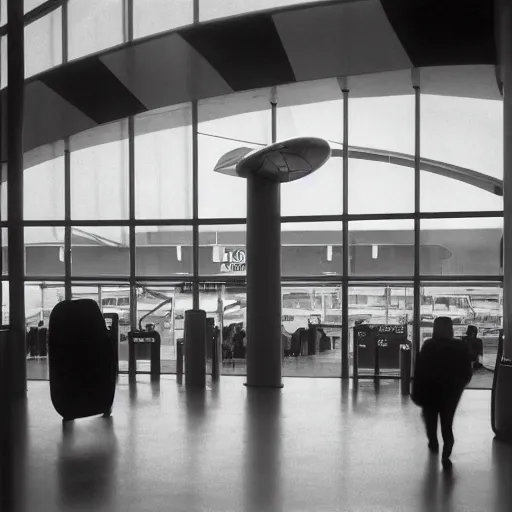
<point x="86" y="464"/>
<point x="13" y="454"/>
<point x="263" y="450"/>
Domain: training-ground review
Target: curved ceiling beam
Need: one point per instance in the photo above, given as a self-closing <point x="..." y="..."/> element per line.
<point x="473" y="178"/>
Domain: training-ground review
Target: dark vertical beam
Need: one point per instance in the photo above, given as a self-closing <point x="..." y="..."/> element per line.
<point x="502" y="385"/>
<point x="2" y="184"/>
<point x="196" y="10"/>
<point x="67" y="220"/>
<point x="417" y="225"/>
<point x="264" y="345"/>
<point x="132" y="237"/>
<point x="195" y="187"/>
<point x="505" y="52"/>
<point x="274" y="120"/>
<point x="264" y="302"/>
<point x="129" y="19"/>
<point x="65" y="32"/>
<point x="345" y="370"/>
<point x="195" y="204"/>
<point x="67" y="170"/>
<point x="1" y="286"/>
<point x="15" y="111"/>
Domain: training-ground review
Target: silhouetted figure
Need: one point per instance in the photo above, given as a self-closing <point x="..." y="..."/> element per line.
<point x="475" y="346"/>
<point x="32" y="342"/>
<point x="238" y="342"/>
<point x="325" y="341"/>
<point x="42" y="339"/>
<point x="295" y="343"/>
<point x="442" y="371"/>
<point x="227" y="342"/>
<point x="286" y="342"/>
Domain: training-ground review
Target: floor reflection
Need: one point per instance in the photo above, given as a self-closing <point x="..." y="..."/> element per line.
<point x="155" y="387"/>
<point x="502" y="476"/>
<point x="438" y="487"/>
<point x="263" y="451"/>
<point x="312" y="445"/>
<point x="13" y="454"/>
<point x="195" y="400"/>
<point x="87" y="461"/>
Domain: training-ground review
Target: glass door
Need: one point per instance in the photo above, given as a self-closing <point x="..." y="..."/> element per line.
<point x="380" y="318"/>
<point x="111" y="298"/>
<point x="311" y="329"/>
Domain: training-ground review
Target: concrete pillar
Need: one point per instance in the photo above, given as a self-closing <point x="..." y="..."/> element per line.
<point x="503" y="385"/>
<point x="264" y="351"/>
<point x="15" y="107"/>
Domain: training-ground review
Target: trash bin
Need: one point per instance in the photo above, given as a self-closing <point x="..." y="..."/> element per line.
<point x="405" y="368"/>
<point x="144" y="345"/>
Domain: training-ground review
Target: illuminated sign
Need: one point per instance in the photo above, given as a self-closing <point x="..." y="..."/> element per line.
<point x="233" y="261"/>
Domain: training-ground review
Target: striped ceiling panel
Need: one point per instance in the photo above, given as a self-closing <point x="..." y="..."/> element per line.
<point x="349" y="38"/>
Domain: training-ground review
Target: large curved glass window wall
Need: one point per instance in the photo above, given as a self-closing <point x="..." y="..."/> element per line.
<point x="132" y="214"/>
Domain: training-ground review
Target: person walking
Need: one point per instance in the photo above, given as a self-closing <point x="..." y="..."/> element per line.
<point x="442" y="371"/>
<point x="475" y="346"/>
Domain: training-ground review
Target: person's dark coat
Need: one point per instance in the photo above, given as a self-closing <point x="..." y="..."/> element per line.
<point x="442" y="371"/>
<point x="238" y="345"/>
<point x="475" y="347"/>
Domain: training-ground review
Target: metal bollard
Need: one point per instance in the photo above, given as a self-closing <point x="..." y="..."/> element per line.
<point x="355" y="356"/>
<point x="195" y="348"/>
<point x="179" y="358"/>
<point x="405" y="368"/>
<point x="216" y="358"/>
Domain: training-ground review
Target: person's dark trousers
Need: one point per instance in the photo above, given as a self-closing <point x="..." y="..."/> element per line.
<point x="445" y="410"/>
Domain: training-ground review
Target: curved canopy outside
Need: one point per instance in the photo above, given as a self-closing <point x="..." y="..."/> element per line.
<point x="228" y="165"/>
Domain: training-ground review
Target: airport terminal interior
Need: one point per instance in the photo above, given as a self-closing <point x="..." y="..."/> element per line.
<point x="127" y="201"/>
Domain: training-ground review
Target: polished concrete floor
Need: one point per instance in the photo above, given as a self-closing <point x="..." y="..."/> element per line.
<point x="315" y="445"/>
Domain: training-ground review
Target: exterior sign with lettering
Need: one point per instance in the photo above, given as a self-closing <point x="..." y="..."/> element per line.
<point x="234" y="261"/>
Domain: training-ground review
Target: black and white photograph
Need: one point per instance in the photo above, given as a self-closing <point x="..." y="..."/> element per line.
<point x="255" y="255"/>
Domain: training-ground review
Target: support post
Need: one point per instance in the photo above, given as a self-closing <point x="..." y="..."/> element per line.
<point x="503" y="385"/>
<point x="195" y="205"/>
<point x="15" y="108"/>
<point x="195" y="348"/>
<point x="416" y="319"/>
<point x="345" y="328"/>
<point x="264" y="351"/>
